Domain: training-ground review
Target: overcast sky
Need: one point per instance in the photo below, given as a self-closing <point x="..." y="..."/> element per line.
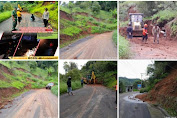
<point x="79" y="63"/>
<point x="133" y="68"/>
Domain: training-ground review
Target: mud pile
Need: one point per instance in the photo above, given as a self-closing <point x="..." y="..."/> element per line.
<point x="164" y="92"/>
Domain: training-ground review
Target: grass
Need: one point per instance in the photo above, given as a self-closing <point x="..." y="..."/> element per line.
<point x="114" y="37"/>
<point x="5" y="15"/>
<point x="54" y="90"/>
<point x="75" y="85"/>
<point x="38" y="10"/>
<point x="85" y="23"/>
<point x="124" y="50"/>
<point x="164" y="16"/>
<point x="53" y="35"/>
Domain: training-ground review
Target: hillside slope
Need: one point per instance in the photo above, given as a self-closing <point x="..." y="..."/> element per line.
<point x="19" y="77"/>
<point x="164" y="93"/>
<point x="77" y="23"/>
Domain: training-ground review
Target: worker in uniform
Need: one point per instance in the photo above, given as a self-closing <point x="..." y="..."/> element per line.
<point x="145" y="33"/>
<point x="156" y="33"/>
<point x="14" y="19"/>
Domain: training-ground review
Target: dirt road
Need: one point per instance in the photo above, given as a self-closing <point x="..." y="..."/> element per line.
<point x="32" y="104"/>
<point x="165" y="50"/>
<point x="129" y="107"/>
<point x="89" y="102"/>
<point x="98" y="47"/>
<point x="26" y="22"/>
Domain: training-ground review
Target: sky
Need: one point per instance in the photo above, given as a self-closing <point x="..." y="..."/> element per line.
<point x="79" y="63"/>
<point x="133" y="68"/>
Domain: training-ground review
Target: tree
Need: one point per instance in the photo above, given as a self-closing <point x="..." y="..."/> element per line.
<point x="96" y="7"/>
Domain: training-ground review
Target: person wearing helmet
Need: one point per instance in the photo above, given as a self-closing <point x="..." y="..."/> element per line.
<point x="19" y="15"/>
<point x="69" y="86"/>
<point x="14" y="19"/>
<point x="156" y="33"/>
<point x="145" y="33"/>
<point x="129" y="31"/>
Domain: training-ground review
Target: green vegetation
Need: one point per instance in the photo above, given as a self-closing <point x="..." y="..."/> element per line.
<point x="31" y="74"/>
<point x="162" y="71"/>
<point x="34" y="7"/>
<point x="105" y="72"/>
<point x="38" y="7"/>
<point x="114" y="37"/>
<point x="54" y="90"/>
<point x="123" y="81"/>
<point x="75" y="85"/>
<point x="85" y="17"/>
<point x="5" y="15"/>
<point x="160" y="12"/>
<point x="124" y="50"/>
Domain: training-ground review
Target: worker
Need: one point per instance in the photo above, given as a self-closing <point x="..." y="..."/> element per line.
<point x="32" y="18"/>
<point x="45" y="17"/>
<point x="145" y="33"/>
<point x="129" y="31"/>
<point x="19" y="15"/>
<point x="164" y="32"/>
<point x="69" y="86"/>
<point x="14" y="19"/>
<point x="156" y="33"/>
<point x="82" y="81"/>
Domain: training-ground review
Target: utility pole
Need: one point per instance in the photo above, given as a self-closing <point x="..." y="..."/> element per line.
<point x="142" y="79"/>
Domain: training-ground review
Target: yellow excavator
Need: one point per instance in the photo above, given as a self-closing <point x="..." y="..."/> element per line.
<point x="136" y="21"/>
<point x="91" y="79"/>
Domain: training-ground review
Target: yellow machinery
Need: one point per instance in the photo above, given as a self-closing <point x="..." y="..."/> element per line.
<point x="19" y="7"/>
<point x="91" y="79"/>
<point x="136" y="21"/>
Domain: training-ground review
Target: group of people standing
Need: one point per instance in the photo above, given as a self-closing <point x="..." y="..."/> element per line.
<point x="17" y="16"/>
<point x="155" y="32"/>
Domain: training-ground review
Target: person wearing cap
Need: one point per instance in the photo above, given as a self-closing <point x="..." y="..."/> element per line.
<point x="14" y="19"/>
<point x="129" y="31"/>
<point x="45" y="17"/>
<point x="19" y="15"/>
<point x="69" y="86"/>
<point x="145" y="33"/>
<point x="156" y="33"/>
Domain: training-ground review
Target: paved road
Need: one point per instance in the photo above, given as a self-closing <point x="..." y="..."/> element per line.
<point x="98" y="47"/>
<point x="129" y="107"/>
<point x="89" y="102"/>
<point x="33" y="104"/>
<point x="26" y="22"/>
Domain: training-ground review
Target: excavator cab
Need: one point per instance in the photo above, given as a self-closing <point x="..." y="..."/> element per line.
<point x="136" y="21"/>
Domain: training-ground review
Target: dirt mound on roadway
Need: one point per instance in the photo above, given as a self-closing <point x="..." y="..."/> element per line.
<point x="164" y="92"/>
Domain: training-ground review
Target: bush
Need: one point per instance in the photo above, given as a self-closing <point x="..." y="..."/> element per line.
<point x="114" y="37"/>
<point x="75" y="85"/>
<point x="18" y="85"/>
<point x="54" y="90"/>
<point x="96" y="7"/>
<point x="142" y="90"/>
<point x="4" y="84"/>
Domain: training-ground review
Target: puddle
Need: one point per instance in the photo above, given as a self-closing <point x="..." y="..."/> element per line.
<point x="131" y="98"/>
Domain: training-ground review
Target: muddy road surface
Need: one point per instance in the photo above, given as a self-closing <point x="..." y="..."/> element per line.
<point x="166" y="49"/>
<point x="32" y="104"/>
<point x="130" y="107"/>
<point x="100" y="46"/>
<point x="91" y="101"/>
<point x="25" y="22"/>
